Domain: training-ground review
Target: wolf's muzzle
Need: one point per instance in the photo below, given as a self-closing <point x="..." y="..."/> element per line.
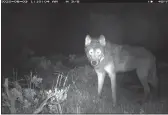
<point x="94" y="63"/>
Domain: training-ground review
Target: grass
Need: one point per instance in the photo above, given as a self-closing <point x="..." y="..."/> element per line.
<point x="70" y="90"/>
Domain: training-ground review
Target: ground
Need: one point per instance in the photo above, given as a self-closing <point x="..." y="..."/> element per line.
<point x="82" y="96"/>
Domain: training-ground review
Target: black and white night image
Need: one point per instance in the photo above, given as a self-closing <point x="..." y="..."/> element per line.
<point x="84" y="58"/>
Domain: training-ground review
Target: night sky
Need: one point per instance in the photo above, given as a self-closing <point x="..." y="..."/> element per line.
<point x="61" y="28"/>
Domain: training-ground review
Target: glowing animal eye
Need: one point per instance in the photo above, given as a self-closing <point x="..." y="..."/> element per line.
<point x="91" y="51"/>
<point x="98" y="51"/>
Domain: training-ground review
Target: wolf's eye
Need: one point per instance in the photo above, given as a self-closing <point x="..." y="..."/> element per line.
<point x="91" y="51"/>
<point x="98" y="51"/>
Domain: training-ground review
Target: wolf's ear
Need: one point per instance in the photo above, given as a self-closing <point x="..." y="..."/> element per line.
<point x="87" y="40"/>
<point x="102" y="40"/>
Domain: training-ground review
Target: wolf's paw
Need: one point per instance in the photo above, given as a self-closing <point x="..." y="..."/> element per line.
<point x="114" y="104"/>
<point x="142" y="100"/>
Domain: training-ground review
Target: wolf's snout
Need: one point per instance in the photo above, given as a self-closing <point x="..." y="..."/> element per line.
<point x="94" y="63"/>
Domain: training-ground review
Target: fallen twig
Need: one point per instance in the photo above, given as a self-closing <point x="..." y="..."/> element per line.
<point x="39" y="109"/>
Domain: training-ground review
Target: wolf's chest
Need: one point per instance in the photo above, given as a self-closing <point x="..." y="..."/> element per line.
<point x="118" y="65"/>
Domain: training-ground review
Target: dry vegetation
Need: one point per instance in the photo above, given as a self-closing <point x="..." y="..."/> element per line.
<point x="56" y="87"/>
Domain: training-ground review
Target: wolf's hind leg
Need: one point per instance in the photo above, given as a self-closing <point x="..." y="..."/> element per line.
<point x="142" y="74"/>
<point x="154" y="81"/>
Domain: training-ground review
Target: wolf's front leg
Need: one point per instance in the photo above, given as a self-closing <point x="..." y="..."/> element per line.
<point x="101" y="76"/>
<point x="113" y="87"/>
<point x="112" y="74"/>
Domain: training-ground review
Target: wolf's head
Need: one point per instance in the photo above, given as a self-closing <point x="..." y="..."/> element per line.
<point x="94" y="49"/>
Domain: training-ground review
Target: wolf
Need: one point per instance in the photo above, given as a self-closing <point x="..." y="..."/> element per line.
<point x="109" y="58"/>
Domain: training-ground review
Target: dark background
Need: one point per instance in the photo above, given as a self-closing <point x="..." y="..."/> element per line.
<point x="50" y="29"/>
